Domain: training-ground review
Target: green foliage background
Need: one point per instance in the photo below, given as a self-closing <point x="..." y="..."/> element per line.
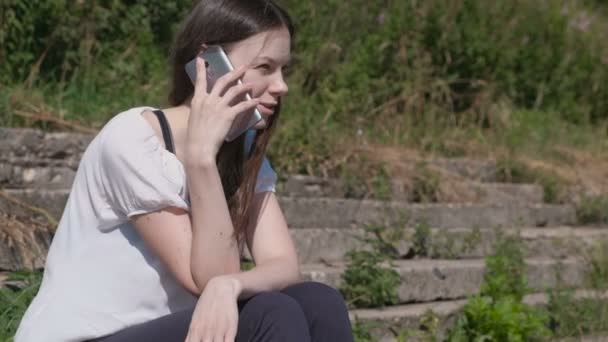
<point x="393" y="71"/>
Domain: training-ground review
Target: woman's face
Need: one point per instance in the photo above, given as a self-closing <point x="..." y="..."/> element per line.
<point x="266" y="53"/>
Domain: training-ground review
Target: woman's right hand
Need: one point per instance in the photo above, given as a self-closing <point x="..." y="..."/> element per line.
<point x="212" y="113"/>
<point x="215" y="317"/>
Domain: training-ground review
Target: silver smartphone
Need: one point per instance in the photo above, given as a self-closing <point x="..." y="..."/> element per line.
<point x="218" y="64"/>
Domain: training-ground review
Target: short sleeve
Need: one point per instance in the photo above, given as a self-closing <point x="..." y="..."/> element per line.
<point x="138" y="175"/>
<point x="267" y="177"/>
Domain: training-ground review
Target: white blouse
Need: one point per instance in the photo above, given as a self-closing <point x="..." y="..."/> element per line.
<point x="99" y="275"/>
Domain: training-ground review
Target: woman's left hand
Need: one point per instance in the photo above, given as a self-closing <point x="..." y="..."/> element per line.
<point x="215" y="317"/>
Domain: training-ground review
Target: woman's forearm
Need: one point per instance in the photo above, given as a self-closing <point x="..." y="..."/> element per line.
<point x="214" y="250"/>
<point x="272" y="275"/>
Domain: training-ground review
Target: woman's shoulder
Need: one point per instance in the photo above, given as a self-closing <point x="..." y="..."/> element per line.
<point x="129" y="123"/>
<point x="136" y="171"/>
<point x="127" y="131"/>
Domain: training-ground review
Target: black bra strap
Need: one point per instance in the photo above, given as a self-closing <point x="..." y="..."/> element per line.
<point x="166" y="129"/>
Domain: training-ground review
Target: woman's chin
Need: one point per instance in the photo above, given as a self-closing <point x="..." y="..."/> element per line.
<point x="260" y="125"/>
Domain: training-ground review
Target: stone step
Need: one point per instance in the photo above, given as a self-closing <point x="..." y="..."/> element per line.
<point x="386" y="322"/>
<point x="496" y="193"/>
<point x="53" y="201"/>
<point x="23" y="173"/>
<point x="316" y="245"/>
<point x="34" y="144"/>
<point x="484" y="192"/>
<point x="27" y="250"/>
<point x="47" y="177"/>
<point x="49" y="173"/>
<point x="327" y="243"/>
<point x="481" y="170"/>
<point x="337" y="213"/>
<point x="427" y="280"/>
<point x="26" y="153"/>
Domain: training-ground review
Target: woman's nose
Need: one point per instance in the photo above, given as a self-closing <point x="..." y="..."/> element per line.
<point x="278" y="87"/>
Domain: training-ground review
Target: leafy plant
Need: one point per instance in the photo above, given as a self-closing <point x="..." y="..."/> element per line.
<point x="505" y="270"/>
<point x="501" y="319"/>
<point x="427" y="331"/>
<point x="362" y="331"/>
<point x="498" y="312"/>
<point x="370" y="279"/>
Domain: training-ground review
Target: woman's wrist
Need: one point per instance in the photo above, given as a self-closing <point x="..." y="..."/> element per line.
<point x="197" y="158"/>
<point x="231" y="282"/>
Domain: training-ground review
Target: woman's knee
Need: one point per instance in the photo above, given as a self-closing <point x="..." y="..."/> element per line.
<point x="275" y="304"/>
<point x="311" y="292"/>
<point x="325" y="311"/>
<point x="272" y="316"/>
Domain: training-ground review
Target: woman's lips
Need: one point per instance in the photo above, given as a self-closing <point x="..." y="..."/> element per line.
<point x="266" y="109"/>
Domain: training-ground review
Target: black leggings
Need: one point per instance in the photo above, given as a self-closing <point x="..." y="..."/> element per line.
<point x="307" y="311"/>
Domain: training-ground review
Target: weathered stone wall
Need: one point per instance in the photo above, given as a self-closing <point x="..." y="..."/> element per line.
<point x="31" y="158"/>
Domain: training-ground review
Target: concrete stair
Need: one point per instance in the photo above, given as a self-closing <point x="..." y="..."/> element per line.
<point x="485" y="190"/>
<point x="441" y="247"/>
<point x="338" y="212"/>
<point x="324" y="229"/>
<point x="335" y="213"/>
<point x="316" y="245"/>
<point x="427" y="280"/>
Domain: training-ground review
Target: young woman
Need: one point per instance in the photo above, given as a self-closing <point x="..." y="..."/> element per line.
<point x="149" y="244"/>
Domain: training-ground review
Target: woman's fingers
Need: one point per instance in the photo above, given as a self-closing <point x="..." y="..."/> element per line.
<point x="234" y="92"/>
<point x="219" y="336"/>
<point x="243" y="106"/>
<point x="191" y="337"/>
<point x="219" y="327"/>
<point x="223" y="82"/>
<point x="230" y="332"/>
<point x="215" y="331"/>
<point x="200" y="86"/>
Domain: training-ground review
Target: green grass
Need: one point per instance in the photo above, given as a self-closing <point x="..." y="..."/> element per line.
<point x="592" y="210"/>
<point x="576" y="317"/>
<point x="14" y="302"/>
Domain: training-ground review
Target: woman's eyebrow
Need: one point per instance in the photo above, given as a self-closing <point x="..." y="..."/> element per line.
<point x="274" y="61"/>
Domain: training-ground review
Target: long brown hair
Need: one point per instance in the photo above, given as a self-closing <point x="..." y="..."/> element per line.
<point x="223" y="22"/>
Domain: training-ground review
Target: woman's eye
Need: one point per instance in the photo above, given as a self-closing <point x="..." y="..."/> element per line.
<point x="264" y="66"/>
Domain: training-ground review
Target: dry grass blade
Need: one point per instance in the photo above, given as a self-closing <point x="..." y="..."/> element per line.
<point x="46" y="117"/>
<point x="51" y="220"/>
